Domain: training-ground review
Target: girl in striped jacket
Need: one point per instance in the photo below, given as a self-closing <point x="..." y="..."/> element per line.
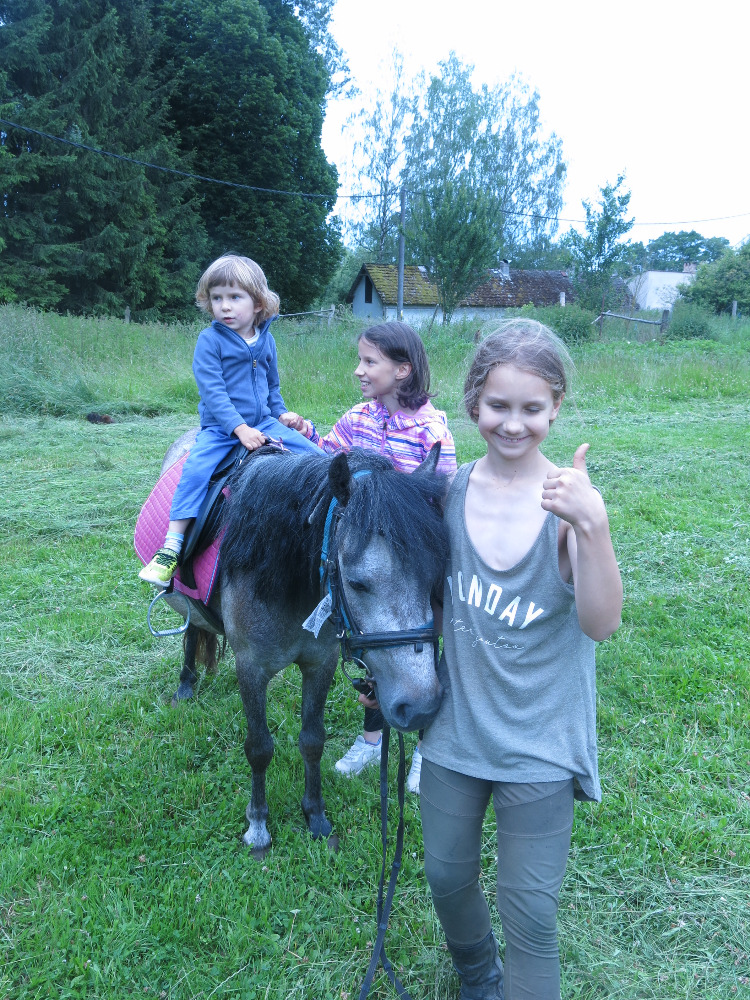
<point x="396" y="419"/>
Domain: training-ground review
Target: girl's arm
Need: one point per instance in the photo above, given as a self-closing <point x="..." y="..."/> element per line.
<point x="209" y="377"/>
<point x="339" y="438"/>
<point x="447" y="463"/>
<point x="568" y="493"/>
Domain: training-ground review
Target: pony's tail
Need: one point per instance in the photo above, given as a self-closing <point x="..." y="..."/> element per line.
<point x="207" y="650"/>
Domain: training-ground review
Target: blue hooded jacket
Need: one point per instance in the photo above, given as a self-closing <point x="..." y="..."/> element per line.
<point x="237" y="383"/>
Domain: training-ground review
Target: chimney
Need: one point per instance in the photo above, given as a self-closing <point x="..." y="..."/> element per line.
<point x="504" y="269"/>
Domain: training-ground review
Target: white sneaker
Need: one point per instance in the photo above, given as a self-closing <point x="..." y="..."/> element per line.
<point x="358" y="756"/>
<point x="415" y="772"/>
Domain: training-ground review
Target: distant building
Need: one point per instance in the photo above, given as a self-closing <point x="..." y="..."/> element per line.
<point x="374" y="293"/>
<point x="659" y="289"/>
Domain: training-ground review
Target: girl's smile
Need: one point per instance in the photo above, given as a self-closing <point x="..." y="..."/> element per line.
<point x="235" y="308"/>
<point x="515" y="411"/>
<point x="378" y="375"/>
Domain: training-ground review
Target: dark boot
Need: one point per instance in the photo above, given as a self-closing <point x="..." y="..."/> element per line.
<point x="480" y="970"/>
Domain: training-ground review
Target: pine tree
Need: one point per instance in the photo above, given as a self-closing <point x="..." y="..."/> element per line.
<point x="248" y="106"/>
<point x="84" y="232"/>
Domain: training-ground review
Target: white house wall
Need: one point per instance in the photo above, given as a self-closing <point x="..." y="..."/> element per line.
<point x="418" y="316"/>
<point x="657" y="289"/>
<point x="368" y="310"/>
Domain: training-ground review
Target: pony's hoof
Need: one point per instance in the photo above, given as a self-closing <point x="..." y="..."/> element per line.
<point x="319" y="826"/>
<point x="258" y="839"/>
<point x="333" y="843"/>
<point x="183" y="692"/>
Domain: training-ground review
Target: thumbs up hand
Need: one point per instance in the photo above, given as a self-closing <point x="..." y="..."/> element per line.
<point x="568" y="493"/>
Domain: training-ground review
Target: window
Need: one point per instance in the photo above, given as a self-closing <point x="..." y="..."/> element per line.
<point x="368" y="291"/>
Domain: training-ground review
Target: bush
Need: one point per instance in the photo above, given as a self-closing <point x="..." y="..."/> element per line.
<point x="690" y="322"/>
<point x="572" y="324"/>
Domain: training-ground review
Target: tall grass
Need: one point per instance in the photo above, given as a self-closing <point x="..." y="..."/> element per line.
<point x="122" y="870"/>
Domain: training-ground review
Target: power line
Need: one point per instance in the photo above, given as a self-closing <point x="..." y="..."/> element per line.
<point x="323" y="197"/>
<point x="166" y="170"/>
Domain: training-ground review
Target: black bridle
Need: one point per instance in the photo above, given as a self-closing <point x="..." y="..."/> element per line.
<point x="354" y="642"/>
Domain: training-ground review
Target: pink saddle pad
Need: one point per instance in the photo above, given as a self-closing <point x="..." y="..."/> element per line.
<point x="151" y="528"/>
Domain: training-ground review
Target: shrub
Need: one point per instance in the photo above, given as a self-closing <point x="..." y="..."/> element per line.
<point x="690" y="322"/>
<point x="572" y="324"/>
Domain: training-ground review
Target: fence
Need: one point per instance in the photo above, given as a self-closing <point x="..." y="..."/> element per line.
<point x="328" y="314"/>
<point x="662" y="323"/>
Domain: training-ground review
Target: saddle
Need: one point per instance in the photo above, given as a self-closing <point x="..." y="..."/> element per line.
<point x="205" y="527"/>
<point x="198" y="566"/>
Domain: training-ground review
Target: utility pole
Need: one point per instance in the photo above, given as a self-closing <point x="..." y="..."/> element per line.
<point x="400" y="292"/>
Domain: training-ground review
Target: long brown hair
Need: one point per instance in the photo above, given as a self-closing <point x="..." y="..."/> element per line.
<point x="400" y="343"/>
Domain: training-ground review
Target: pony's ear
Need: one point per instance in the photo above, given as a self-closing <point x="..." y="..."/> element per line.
<point x="429" y="465"/>
<point x="340" y="477"/>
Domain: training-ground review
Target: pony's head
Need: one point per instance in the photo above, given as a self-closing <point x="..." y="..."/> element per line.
<point x="391" y="546"/>
<point x="390" y="549"/>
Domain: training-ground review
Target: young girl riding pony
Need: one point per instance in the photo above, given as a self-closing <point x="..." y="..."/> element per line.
<point x="531" y="585"/>
<point x="237" y="375"/>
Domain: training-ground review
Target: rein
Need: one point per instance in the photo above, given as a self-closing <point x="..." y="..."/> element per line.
<point x="354" y="642"/>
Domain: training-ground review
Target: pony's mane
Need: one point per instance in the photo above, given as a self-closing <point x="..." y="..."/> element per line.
<point x="275" y="518"/>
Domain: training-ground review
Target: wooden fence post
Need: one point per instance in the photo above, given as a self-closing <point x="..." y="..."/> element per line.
<point x="664" y="322"/>
<point x="734" y="308"/>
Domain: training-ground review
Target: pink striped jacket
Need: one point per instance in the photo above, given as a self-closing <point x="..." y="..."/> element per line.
<point x="403" y="438"/>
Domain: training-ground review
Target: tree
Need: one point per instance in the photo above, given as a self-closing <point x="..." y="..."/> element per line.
<point x="485" y="146"/>
<point x="494" y="136"/>
<point x="670" y="251"/>
<point x="379" y="154"/>
<point x="542" y="254"/>
<point x="453" y="235"/>
<point x="232" y="90"/>
<point x="719" y="283"/>
<point x="599" y="254"/>
<point x="83" y="232"/>
<point x="248" y="106"/>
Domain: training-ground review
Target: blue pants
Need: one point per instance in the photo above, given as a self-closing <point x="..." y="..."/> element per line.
<point x="534" y="823"/>
<point x="211" y="446"/>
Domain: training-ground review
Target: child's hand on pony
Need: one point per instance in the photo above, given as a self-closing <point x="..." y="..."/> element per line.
<point x="249" y="436"/>
<point x="293" y="420"/>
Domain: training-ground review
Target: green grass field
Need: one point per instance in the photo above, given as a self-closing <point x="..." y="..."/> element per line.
<point x="122" y="869"/>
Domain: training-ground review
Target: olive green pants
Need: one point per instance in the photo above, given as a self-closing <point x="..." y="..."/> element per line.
<point x="534" y="823"/>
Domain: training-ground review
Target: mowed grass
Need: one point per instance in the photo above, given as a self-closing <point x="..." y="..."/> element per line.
<point x="122" y="869"/>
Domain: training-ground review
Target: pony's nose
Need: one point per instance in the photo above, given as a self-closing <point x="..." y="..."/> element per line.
<point x="409" y="717"/>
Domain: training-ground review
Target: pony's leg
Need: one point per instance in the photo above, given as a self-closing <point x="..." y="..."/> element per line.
<point x="188" y="674"/>
<point x="259" y="751"/>
<point x="315" y="685"/>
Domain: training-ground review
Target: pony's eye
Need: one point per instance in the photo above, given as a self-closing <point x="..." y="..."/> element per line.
<point x="358" y="586"/>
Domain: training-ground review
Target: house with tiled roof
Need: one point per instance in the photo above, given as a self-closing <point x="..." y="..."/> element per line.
<point x="374" y="293"/>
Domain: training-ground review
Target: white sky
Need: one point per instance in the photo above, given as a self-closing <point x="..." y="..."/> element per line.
<point x="657" y="90"/>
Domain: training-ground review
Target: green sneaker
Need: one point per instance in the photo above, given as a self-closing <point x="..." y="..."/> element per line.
<point x="161" y="569"/>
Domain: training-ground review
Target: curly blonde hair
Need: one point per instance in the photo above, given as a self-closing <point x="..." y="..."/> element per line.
<point x="244" y="273"/>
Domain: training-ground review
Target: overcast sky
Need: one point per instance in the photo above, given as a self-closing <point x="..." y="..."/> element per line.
<point x="657" y="90"/>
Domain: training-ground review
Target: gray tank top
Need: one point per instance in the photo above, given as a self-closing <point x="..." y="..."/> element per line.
<point x="520" y="704"/>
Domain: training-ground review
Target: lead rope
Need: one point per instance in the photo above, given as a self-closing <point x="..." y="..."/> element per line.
<point x="384" y="908"/>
